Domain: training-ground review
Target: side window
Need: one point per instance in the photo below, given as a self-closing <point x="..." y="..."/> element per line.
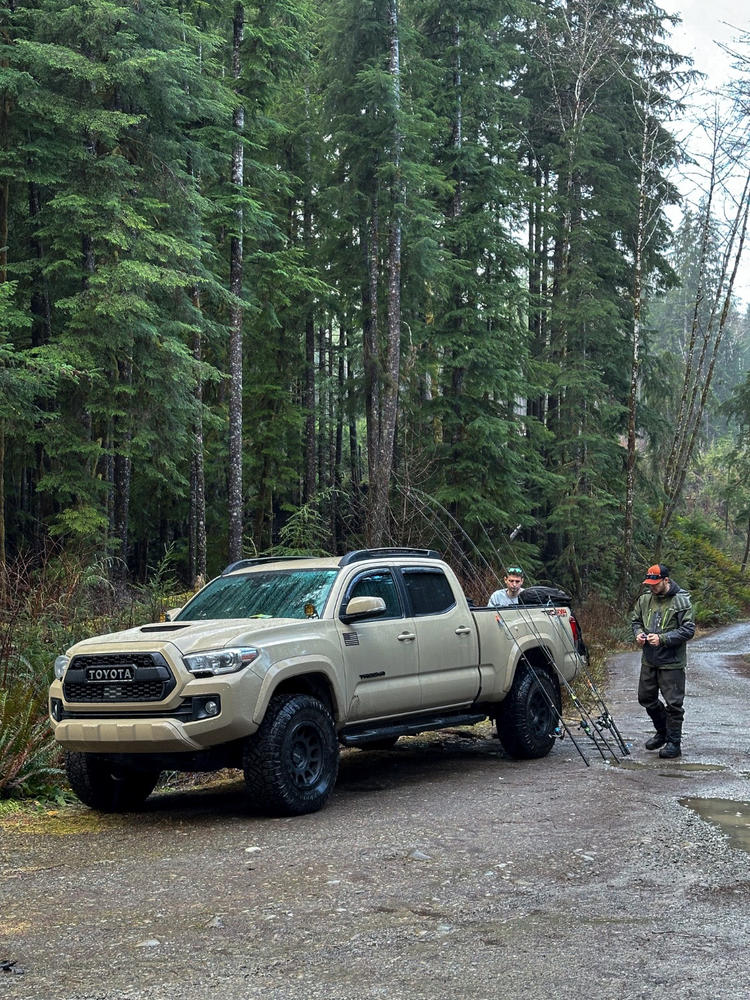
<point x="429" y="591"/>
<point x="377" y="583"/>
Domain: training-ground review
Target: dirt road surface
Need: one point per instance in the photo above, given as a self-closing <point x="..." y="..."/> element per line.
<point x="441" y="869"/>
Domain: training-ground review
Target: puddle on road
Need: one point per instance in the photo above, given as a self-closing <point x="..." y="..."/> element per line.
<point x="732" y="818"/>
<point x="740" y="664"/>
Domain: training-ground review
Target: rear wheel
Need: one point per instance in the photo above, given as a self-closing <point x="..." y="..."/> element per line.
<point x="529" y="715"/>
<point x="292" y="762"/>
<point x="108" y="786"/>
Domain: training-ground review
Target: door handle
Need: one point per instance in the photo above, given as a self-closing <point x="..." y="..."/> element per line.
<point x="463" y="630"/>
<point x="406" y="637"/>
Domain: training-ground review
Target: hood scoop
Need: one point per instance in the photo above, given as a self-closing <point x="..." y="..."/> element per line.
<point x="166" y="627"/>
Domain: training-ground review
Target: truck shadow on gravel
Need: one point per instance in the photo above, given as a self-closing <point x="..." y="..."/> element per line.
<point x="415" y="760"/>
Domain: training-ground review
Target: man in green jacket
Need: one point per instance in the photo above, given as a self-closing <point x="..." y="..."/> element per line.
<point x="662" y="624"/>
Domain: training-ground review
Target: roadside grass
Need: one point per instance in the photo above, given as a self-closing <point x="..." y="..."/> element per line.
<point x="52" y="818"/>
<point x="44" y="609"/>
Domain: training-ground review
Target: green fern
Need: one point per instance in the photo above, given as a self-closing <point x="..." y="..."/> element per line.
<point x="29" y="759"/>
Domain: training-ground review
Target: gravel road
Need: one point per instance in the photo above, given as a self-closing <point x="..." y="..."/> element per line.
<point x="440" y="869"/>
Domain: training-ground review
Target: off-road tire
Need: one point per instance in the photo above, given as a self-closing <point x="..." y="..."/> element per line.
<point x="527" y="720"/>
<point x="107" y="786"/>
<point x="292" y="762"/>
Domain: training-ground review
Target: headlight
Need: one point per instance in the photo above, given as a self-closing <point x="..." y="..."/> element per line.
<point x="220" y="661"/>
<point x="61" y="665"/>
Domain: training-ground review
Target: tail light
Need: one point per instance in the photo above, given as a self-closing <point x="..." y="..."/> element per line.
<point x="575" y="630"/>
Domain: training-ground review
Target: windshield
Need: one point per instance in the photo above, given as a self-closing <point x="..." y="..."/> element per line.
<point x="271" y="594"/>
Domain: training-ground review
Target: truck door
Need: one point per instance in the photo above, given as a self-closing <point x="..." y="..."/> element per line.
<point x="446" y="637"/>
<point x="382" y="663"/>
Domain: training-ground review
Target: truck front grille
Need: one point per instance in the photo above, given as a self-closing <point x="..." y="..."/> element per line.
<point x="97" y="678"/>
<point x="95" y="692"/>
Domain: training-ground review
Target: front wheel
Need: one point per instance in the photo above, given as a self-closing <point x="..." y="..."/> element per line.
<point x="292" y="762"/>
<point x="529" y="715"/>
<point x="107" y="786"/>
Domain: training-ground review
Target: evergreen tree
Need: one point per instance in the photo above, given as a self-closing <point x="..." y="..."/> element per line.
<point x="117" y="214"/>
<point x="595" y="61"/>
<point x="473" y="370"/>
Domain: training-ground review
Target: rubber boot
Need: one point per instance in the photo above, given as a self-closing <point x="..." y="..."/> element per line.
<point x="659" y="719"/>
<point x="672" y="746"/>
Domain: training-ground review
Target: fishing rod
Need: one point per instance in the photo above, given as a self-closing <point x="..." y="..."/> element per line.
<point x="587" y="723"/>
<point x="605" y="720"/>
<point x="548" y="697"/>
<point x="592" y="727"/>
<point x="444" y="536"/>
<point x="590" y="724"/>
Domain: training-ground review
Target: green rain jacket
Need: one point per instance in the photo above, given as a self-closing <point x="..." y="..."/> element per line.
<point x="671" y="617"/>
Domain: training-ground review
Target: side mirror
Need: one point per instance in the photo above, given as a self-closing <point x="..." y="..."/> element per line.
<point x="169" y="616"/>
<point x="363" y="607"/>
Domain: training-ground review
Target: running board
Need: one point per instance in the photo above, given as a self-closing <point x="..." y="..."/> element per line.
<point x="359" y="736"/>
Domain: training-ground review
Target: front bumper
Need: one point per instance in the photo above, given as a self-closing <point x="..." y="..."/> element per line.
<point x="178" y="723"/>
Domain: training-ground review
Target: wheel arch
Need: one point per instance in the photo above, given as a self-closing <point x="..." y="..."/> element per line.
<point x="300" y="679"/>
<point x="538" y="659"/>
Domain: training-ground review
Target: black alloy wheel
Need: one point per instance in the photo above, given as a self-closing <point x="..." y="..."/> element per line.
<point x="292" y="762"/>
<point x="528" y="717"/>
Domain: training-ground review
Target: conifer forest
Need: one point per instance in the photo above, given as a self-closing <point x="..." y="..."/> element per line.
<point x="283" y="276"/>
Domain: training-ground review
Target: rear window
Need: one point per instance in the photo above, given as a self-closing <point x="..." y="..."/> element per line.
<point x="429" y="591"/>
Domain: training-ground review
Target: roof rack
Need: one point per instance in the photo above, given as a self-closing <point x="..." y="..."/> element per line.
<point x="255" y="561"/>
<point x="359" y="554"/>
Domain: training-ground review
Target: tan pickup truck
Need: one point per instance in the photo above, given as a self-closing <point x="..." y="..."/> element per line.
<point x="277" y="662"/>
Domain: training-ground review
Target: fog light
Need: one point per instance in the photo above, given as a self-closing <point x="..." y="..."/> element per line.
<point x="207" y="707"/>
<point x="56" y="709"/>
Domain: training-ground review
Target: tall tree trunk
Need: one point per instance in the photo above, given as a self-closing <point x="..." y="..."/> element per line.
<point x="370" y="306"/>
<point x="340" y="405"/>
<point x="122" y="472"/>
<point x="2" y="506"/>
<point x="4" y="209"/>
<point x="308" y="403"/>
<point x="4" y="183"/>
<point x="746" y="553"/>
<point x="331" y="408"/>
<point x="308" y="390"/>
<point x="457" y="370"/>
<point x="323" y="395"/>
<point x="197" y="476"/>
<point x="351" y="412"/>
<point x="235" y="511"/>
<point x="379" y="486"/>
<point x="635" y="360"/>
